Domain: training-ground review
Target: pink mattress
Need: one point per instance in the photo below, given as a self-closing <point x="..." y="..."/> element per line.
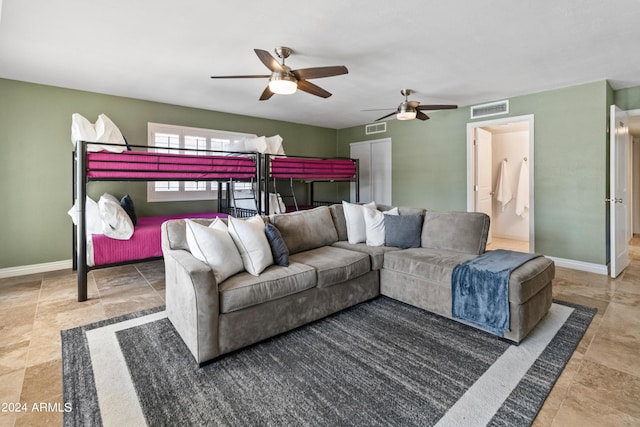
<point x="318" y="169"/>
<point x="148" y="165"/>
<point x="145" y="242"/>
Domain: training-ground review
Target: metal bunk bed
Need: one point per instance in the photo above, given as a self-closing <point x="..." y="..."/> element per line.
<point x="142" y="165"/>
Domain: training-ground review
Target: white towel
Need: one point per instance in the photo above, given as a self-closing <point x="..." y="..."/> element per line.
<point x="503" y="186"/>
<point x="522" y="195"/>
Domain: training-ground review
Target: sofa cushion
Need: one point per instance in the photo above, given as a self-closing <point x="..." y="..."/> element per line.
<point x="464" y="232"/>
<point x="402" y="231"/>
<point x="376" y="253"/>
<point x="429" y="264"/>
<point x="245" y="290"/>
<point x="306" y="230"/>
<point x="334" y="265"/>
<point x="403" y="210"/>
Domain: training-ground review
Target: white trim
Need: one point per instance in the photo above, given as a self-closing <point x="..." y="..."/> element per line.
<point x="24" y="270"/>
<point x="471" y="165"/>
<point x="580" y="265"/>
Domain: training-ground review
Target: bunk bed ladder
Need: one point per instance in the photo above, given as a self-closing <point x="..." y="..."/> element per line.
<point x="288" y="196"/>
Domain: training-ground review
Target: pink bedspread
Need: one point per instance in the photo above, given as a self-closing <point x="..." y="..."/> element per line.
<point x="318" y="169"/>
<point x="145" y="242"/>
<point x="148" y="165"/>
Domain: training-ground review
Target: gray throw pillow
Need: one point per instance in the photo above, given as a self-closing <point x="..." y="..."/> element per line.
<point x="278" y="247"/>
<point x="402" y="231"/>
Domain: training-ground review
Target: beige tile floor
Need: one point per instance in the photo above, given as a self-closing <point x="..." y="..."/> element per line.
<point x="599" y="387"/>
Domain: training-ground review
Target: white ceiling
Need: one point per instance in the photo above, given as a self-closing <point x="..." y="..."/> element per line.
<point x="456" y="51"/>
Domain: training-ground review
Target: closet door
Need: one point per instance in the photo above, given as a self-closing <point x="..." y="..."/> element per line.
<point x="374" y="159"/>
<point x="381" y="172"/>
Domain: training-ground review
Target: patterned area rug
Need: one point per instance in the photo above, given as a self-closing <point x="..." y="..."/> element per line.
<point x="379" y="363"/>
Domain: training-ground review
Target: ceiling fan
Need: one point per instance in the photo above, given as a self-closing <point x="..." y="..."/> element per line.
<point x="409" y="110"/>
<point x="284" y="81"/>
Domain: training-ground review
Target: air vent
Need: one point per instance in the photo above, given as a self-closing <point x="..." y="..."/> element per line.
<point x="375" y="128"/>
<point x="490" y="109"/>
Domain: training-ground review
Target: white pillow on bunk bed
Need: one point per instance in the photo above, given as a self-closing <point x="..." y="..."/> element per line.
<point x="214" y="246"/>
<point x="104" y="130"/>
<point x="93" y="220"/>
<point x="251" y="241"/>
<point x="116" y="222"/>
<point x="374" y="224"/>
<point x="354" y="216"/>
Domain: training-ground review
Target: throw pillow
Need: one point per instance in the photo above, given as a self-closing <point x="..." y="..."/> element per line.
<point x="214" y="246"/>
<point x="354" y="216"/>
<point x="403" y="231"/>
<point x="116" y="222"/>
<point x="93" y="220"/>
<point x="279" y="249"/>
<point x="127" y="204"/>
<point x="251" y="241"/>
<point x="374" y="222"/>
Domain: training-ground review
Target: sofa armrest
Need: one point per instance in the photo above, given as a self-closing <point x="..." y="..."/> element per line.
<point x="192" y="302"/>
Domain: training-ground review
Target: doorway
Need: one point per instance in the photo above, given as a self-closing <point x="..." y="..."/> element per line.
<point x="500" y="179"/>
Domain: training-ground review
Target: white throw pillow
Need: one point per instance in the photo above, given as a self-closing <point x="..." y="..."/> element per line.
<point x="116" y="222"/>
<point x="374" y="222"/>
<point x="214" y="246"/>
<point x="93" y="220"/>
<point x="251" y="241"/>
<point x="354" y="216"/>
<point x="104" y="130"/>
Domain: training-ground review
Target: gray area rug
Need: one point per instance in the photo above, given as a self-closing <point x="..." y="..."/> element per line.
<point x="379" y="363"/>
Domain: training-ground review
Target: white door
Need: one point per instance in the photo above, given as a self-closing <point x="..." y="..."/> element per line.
<point x="374" y="163"/>
<point x="484" y="155"/>
<point x="362" y="152"/>
<point x="619" y="190"/>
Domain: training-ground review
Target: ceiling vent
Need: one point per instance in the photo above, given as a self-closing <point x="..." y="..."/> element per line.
<point x="490" y="109"/>
<point x="375" y="128"/>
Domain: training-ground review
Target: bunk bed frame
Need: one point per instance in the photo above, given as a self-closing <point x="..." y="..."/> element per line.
<point x="226" y="168"/>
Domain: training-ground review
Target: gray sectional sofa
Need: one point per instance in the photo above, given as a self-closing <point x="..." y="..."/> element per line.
<point x="327" y="274"/>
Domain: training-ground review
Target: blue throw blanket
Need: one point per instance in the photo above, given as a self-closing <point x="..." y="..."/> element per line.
<point x="480" y="289"/>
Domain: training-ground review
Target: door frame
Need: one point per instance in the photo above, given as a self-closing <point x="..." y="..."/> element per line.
<point x="471" y="165"/>
<point x="619" y="256"/>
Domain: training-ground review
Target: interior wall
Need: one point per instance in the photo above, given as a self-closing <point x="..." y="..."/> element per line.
<point x="36" y="150"/>
<point x="513" y="146"/>
<point x="429" y="165"/>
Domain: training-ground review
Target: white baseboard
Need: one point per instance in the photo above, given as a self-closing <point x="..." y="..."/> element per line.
<point x="23" y="270"/>
<point x="580" y="265"/>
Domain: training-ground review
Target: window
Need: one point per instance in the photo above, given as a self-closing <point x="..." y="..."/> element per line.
<point x="169" y="138"/>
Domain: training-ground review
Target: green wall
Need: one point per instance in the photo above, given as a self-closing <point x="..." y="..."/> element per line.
<point x="628" y="99"/>
<point x="429" y="162"/>
<point x="429" y="165"/>
<point x="36" y="149"/>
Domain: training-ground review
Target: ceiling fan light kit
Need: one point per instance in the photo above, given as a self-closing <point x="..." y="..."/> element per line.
<point x="409" y="110"/>
<point x="282" y="83"/>
<point x="285" y="81"/>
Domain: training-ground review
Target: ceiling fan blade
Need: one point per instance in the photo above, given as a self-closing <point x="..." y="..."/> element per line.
<point x="268" y="60"/>
<point x="388" y="115"/>
<point x="414" y="104"/>
<point x="266" y="94"/>
<point x="309" y="87"/>
<point x="256" y="76"/>
<point x="436" y="107"/>
<point x="422" y="116"/>
<point x="319" y="72"/>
